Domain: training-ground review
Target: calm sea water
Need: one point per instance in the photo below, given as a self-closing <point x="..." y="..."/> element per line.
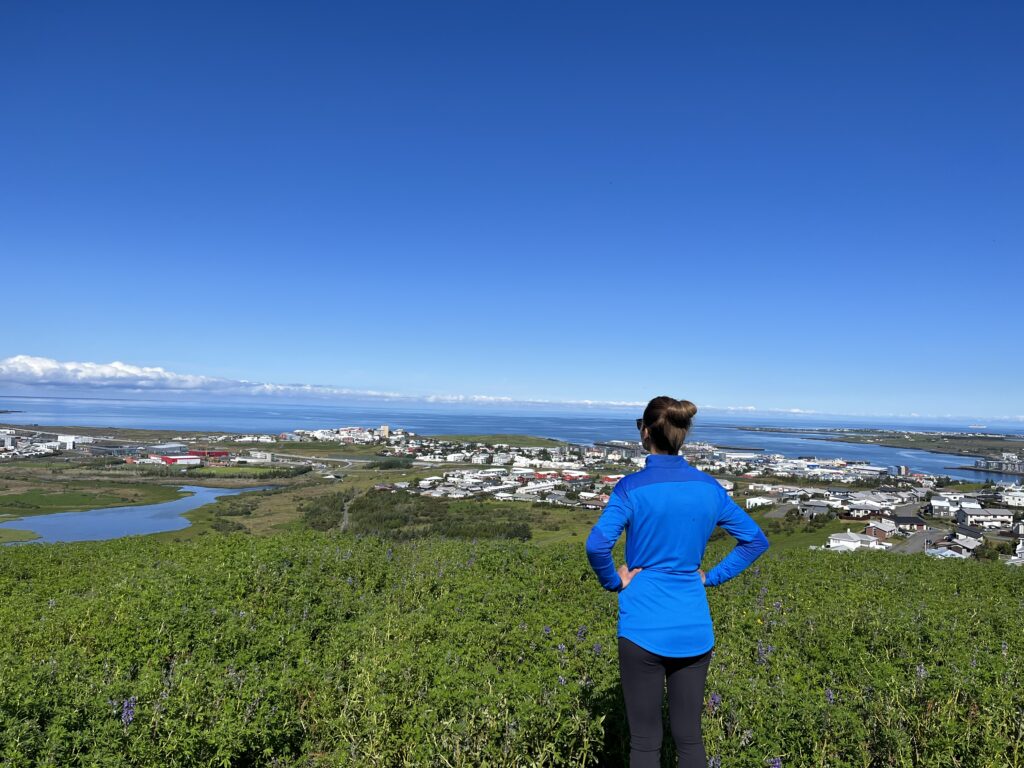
<point x="115" y="522"/>
<point x="580" y="427"/>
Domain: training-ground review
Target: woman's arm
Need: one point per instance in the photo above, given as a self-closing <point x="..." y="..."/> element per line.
<point x="603" y="535"/>
<point x="751" y="543"/>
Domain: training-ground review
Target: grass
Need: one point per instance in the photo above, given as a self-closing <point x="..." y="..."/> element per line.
<point x="10" y="535"/>
<point x="309" y="450"/>
<point x="239" y="471"/>
<point x="75" y="498"/>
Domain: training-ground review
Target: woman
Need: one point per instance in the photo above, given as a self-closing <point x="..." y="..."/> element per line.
<point x="669" y="510"/>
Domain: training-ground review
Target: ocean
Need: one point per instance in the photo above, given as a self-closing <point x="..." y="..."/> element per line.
<point x="580" y="426"/>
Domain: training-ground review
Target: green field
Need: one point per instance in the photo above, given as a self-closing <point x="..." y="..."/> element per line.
<point x="313" y="650"/>
<point x="78" y="497"/>
<point x="239" y="471"/>
<point x="9" y="535"/>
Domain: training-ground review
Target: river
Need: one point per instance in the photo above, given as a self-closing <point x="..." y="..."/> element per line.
<point x="115" y="522"/>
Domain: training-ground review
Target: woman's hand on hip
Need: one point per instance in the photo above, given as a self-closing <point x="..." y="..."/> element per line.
<point x="703" y="576"/>
<point x="627" y="575"/>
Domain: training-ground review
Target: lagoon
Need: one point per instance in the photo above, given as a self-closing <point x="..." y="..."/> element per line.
<point x="115" y="522"/>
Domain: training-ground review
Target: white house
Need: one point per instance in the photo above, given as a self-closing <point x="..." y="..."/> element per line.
<point x="848" y="541"/>
<point x="759" y="501"/>
<point x="985" y="518"/>
<point x="941" y="507"/>
<point x="1012" y="497"/>
<point x="1018" y="555"/>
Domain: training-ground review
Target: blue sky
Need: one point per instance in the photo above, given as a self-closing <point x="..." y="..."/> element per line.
<point x="785" y="205"/>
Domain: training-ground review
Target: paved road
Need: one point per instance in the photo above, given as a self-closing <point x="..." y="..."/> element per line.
<point x="917" y="542"/>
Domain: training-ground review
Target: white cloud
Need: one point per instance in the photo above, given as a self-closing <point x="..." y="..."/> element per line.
<point x="27" y="370"/>
<point x="44" y="372"/>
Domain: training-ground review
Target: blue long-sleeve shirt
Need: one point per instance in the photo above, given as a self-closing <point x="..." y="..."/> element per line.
<point x="669" y="510"/>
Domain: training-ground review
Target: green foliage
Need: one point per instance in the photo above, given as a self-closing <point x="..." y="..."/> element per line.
<point x="264" y="473"/>
<point x="337" y="650"/>
<point x="392" y="462"/>
<point x="223" y="525"/>
<point x="322" y="513"/>
<point x="403" y="515"/>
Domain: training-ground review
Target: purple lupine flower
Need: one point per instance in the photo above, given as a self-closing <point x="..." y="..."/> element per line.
<point x="756" y="570"/>
<point x="763" y="649"/>
<point x="715" y="762"/>
<point x="547" y="631"/>
<point x="597" y="649"/>
<point x="1006" y="648"/>
<point x="777" y="605"/>
<point x="775" y="762"/>
<point x="128" y="710"/>
<point x="561" y="647"/>
<point x="581" y="633"/>
<point x="830" y="696"/>
<point x="389" y="554"/>
<point x="922" y="673"/>
<point x="561" y="680"/>
<point x="714" y="702"/>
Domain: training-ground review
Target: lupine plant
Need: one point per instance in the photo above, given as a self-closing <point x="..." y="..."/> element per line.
<point x="311" y="649"/>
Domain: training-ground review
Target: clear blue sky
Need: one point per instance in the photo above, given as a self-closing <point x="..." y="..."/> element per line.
<point x="787" y="205"/>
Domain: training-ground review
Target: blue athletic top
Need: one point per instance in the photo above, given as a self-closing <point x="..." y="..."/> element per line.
<point x="669" y="510"/>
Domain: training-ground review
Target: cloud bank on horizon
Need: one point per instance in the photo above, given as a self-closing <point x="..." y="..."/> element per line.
<point x="118" y="377"/>
<point x="28" y="370"/>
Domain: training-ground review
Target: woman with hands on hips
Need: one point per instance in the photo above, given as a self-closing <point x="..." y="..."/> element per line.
<point x="668" y="511"/>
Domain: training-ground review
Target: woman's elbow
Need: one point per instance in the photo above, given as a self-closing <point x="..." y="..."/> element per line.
<point x="762" y="544"/>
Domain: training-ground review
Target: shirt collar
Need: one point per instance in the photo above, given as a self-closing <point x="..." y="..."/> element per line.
<point x="665" y="460"/>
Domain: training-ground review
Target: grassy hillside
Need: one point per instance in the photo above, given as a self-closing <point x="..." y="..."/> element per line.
<point x="323" y="650"/>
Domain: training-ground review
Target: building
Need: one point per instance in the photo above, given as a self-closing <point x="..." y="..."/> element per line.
<point x="1012" y="497"/>
<point x="168" y="449"/>
<point x="848" y="542"/>
<point x="178" y="461"/>
<point x="910" y="523"/>
<point x="985" y="518"/>
<point x="759" y="501"/>
<point x="881" y="529"/>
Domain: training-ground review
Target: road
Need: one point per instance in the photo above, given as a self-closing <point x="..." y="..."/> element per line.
<point x="917" y="542"/>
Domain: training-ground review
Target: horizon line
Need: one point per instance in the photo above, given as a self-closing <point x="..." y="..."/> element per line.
<point x="128" y="379"/>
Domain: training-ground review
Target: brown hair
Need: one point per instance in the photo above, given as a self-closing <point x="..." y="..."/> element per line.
<point x="667" y="421"/>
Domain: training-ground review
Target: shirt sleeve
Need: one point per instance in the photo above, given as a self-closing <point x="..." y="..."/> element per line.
<point x="751" y="542"/>
<point x="603" y="535"/>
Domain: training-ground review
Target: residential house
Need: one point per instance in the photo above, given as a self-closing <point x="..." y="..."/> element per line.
<point x="881" y="529"/>
<point x="985" y="518"/>
<point x="910" y="523"/>
<point x="848" y="541"/>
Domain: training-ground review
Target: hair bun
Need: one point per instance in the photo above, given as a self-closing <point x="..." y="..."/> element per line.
<point x="681" y="413"/>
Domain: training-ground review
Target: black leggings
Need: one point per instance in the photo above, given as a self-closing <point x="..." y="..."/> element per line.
<point x="643" y="685"/>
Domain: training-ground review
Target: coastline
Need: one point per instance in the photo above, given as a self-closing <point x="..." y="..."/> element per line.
<point x="931" y="442"/>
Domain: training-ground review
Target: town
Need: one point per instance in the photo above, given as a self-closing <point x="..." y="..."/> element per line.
<point x="892" y="508"/>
